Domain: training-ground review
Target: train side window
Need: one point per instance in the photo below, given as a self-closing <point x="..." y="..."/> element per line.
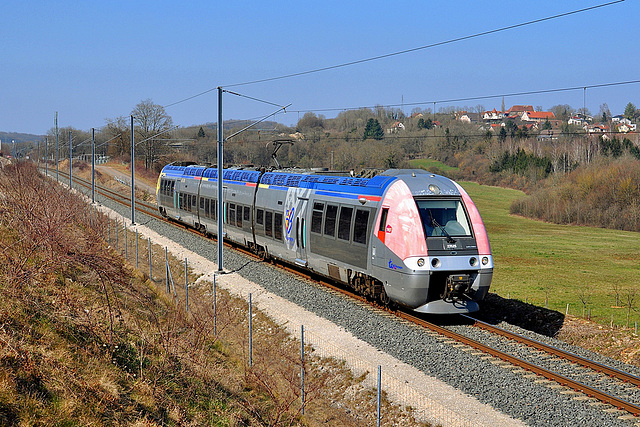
<point x="207" y="212"/>
<point x="277" y="226"/>
<point x="202" y="203"/>
<point x="172" y="187"/>
<point x="214" y="209"/>
<point x="316" y="217"/>
<point x="268" y="230"/>
<point x="247" y="213"/>
<point x="239" y="216"/>
<point x="344" y="223"/>
<point x="383" y="219"/>
<point x="260" y="217"/>
<point x="330" y="221"/>
<point x="232" y="213"/>
<point x="360" y="226"/>
<point x="193" y="203"/>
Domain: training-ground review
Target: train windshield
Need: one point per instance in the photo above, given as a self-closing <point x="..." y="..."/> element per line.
<point x="445" y="218"/>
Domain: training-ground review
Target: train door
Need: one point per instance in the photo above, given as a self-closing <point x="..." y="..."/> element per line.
<point x="295" y="225"/>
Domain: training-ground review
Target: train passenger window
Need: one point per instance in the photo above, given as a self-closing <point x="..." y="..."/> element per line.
<point x="180" y="200"/>
<point x="202" y="203"/>
<point x="260" y="217"/>
<point x="383" y="219"/>
<point x="206" y="208"/>
<point x="232" y="213"/>
<point x="330" y="221"/>
<point x="277" y="226"/>
<point x="214" y="209"/>
<point x="193" y="203"/>
<point x="316" y="217"/>
<point x="247" y="213"/>
<point x="172" y="187"/>
<point x="239" y="216"/>
<point x="268" y="230"/>
<point x="344" y="223"/>
<point x="360" y="226"/>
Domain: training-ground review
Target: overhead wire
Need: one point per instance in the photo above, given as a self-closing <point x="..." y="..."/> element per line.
<point x="401" y="52"/>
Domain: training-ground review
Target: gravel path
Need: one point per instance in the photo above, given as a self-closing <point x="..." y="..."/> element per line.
<point x="375" y="337"/>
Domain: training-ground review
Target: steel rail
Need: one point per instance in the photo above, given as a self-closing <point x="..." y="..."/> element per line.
<point x="591" y="364"/>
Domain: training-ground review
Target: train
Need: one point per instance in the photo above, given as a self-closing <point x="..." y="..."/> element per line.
<point x="403" y="236"/>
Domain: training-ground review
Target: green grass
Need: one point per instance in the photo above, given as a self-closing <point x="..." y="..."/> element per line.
<point x="534" y="259"/>
<point x="429" y="164"/>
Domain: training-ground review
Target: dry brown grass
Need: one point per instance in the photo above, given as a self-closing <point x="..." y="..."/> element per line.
<point x="87" y="339"/>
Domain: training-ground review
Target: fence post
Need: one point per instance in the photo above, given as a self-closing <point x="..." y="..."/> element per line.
<point x="215" y="311"/>
<point x="186" y="285"/>
<point x="250" y="333"/>
<point x="136" y="248"/>
<point x="166" y="268"/>
<point x="150" y="273"/>
<point x="379" y="393"/>
<point x="567" y="312"/>
<point x="117" y="233"/>
<point x="126" y="246"/>
<point x="302" y="367"/>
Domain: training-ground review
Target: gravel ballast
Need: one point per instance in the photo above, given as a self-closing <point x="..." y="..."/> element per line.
<point x="381" y="338"/>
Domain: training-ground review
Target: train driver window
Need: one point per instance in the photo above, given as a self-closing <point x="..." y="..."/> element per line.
<point x="383" y="219"/>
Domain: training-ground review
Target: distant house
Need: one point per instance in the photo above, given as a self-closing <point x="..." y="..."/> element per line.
<point x="577" y="120"/>
<point x="493" y="115"/>
<point x="396" y="127"/>
<point x="620" y="119"/>
<point x="466" y="117"/>
<point x="598" y="128"/>
<point x="518" y="110"/>
<point x="547" y="135"/>
<point x="626" y="127"/>
<point x="537" y="116"/>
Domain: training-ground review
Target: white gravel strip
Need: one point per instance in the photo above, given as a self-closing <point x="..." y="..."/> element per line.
<point x="432" y="400"/>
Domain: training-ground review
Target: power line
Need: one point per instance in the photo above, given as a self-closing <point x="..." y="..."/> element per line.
<point x="401" y="52"/>
<point x="474" y="98"/>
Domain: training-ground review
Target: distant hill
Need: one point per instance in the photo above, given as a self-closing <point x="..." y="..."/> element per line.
<point x="8" y="137"/>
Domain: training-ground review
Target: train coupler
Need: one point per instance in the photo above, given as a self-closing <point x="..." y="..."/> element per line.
<point x="457" y="286"/>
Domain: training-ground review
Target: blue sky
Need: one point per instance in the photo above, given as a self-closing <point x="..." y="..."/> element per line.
<point x="91" y="61"/>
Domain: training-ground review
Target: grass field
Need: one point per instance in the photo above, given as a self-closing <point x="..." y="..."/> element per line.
<point x="535" y="260"/>
<point x="430" y="164"/>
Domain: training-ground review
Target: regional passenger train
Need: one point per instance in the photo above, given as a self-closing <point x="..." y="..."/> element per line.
<point x="403" y="236"/>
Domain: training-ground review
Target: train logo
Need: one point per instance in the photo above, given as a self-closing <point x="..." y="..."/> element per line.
<point x="288" y="220"/>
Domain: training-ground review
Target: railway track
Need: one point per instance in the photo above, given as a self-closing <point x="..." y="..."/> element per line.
<point x="616" y="400"/>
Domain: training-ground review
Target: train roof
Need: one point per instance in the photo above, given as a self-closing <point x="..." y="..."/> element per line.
<point x="419" y="181"/>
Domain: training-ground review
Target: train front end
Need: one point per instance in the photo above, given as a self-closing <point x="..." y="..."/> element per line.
<point x="432" y="248"/>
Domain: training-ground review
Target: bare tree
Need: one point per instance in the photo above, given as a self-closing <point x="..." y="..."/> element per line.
<point x="152" y="120"/>
<point x="118" y="131"/>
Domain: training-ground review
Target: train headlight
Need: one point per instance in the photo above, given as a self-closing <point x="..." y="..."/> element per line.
<point x="421" y="262"/>
<point x="485" y="260"/>
<point x="435" y="262"/>
<point x="473" y="261"/>
<point x="434" y="189"/>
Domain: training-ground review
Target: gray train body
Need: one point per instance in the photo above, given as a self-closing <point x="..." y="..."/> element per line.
<point x="404" y="236"/>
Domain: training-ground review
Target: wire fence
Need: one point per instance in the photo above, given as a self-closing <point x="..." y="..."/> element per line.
<point x="387" y="396"/>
